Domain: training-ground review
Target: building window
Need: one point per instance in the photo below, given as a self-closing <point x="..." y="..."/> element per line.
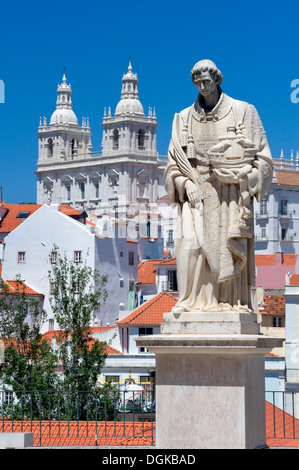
<point x="51" y="324"/>
<point x="283" y="207"/>
<point x="263" y="207"/>
<point x="96" y="190"/>
<point x="21" y="257"/>
<point x="77" y="287"/>
<point x="68" y="192"/>
<point x="277" y="322"/>
<point x="82" y="190"/>
<point x="112" y="379"/>
<point x="77" y="256"/>
<point x="131" y="258"/>
<point x="172" y="281"/>
<point x="52" y="287"/>
<point x="141" y="134"/>
<point x="283" y="233"/>
<point x="115" y="139"/>
<point x="170" y="238"/>
<point x="50" y="147"/>
<point x="53" y="257"/>
<point x="145" y="331"/>
<point x="121" y="253"/>
<point x="263" y="233"/>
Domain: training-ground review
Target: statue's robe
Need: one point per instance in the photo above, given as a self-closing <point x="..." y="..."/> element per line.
<point x="215" y="253"/>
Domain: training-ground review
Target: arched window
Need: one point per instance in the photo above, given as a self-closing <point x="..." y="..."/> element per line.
<point x="50" y="147"/>
<point x="141" y="139"/>
<point x="115" y="139"/>
<point x="74" y="146"/>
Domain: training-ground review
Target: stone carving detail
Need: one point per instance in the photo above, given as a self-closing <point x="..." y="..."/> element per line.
<point x="218" y="160"/>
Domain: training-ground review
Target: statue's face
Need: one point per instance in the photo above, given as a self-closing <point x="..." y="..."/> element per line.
<point x="206" y="84"/>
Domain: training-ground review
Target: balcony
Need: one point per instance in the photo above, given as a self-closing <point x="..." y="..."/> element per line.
<point x="261" y="239"/>
<point x="285" y="215"/>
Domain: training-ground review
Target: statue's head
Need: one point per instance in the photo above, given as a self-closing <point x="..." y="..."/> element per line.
<point x="206" y="76"/>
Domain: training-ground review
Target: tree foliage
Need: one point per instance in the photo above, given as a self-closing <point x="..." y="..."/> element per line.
<point x="77" y="293"/>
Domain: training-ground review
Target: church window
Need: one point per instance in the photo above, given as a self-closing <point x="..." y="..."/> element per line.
<point x="115" y="139"/>
<point x="50" y="147"/>
<point x="82" y="190"/>
<point x="141" y="134"/>
<point x="96" y="189"/>
<point x="73" y="146"/>
<point x="68" y="192"/>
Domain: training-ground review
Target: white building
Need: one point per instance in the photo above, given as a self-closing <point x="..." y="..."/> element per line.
<point x="28" y="248"/>
<point x="125" y="176"/>
<point x="277" y="215"/>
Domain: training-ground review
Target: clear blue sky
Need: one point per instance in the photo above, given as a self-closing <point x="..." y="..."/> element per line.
<point x="255" y="45"/>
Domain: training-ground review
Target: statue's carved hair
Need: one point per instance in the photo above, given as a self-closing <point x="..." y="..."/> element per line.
<point x="206" y="66"/>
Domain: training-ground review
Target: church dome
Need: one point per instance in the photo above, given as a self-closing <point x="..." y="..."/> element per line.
<point x="64" y="115"/>
<point x="129" y="105"/>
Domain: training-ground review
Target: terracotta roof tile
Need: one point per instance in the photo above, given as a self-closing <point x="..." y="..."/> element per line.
<point x="15" y="286"/>
<point x="11" y="219"/>
<point x="151" y="312"/>
<point x="281" y="427"/>
<point x="288" y="178"/>
<point x="273" y="303"/>
<point x="269" y="260"/>
<point x="294" y="280"/>
<point x="147" y="269"/>
<point x="76" y="433"/>
<point x="56" y="334"/>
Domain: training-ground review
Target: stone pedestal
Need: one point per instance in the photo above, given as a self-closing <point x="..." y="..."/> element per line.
<point x="210" y="381"/>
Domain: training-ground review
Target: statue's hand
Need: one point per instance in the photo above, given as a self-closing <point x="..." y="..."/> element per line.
<point x="193" y="193"/>
<point x="226" y="176"/>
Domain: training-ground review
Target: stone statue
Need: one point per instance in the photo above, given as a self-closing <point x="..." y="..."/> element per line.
<point x="218" y="160"/>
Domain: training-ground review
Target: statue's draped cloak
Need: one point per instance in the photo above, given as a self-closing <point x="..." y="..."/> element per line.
<point x="215" y="254"/>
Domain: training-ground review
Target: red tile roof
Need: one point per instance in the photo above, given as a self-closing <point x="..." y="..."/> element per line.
<point x="288" y="178"/>
<point x="76" y="433"/>
<point x="56" y="334"/>
<point x="147" y="269"/>
<point x="282" y="429"/>
<point x="10" y="220"/>
<point x="15" y="287"/>
<point x="294" y="280"/>
<point x="274" y="303"/>
<point x="269" y="260"/>
<point x="151" y="312"/>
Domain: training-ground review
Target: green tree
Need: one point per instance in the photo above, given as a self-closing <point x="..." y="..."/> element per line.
<point x="29" y="361"/>
<point x="77" y="293"/>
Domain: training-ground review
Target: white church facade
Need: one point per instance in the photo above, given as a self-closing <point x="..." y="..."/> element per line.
<point x="128" y="170"/>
